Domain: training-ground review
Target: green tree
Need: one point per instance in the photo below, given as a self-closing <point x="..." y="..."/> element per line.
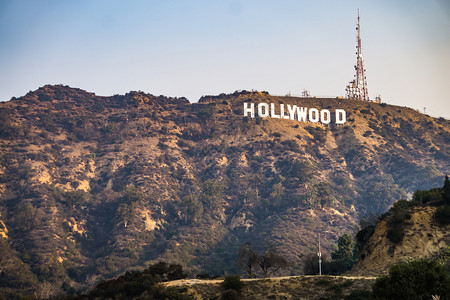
<point x="427" y="196"/>
<point x="276" y="195"/>
<point x="205" y="113"/>
<point x="446" y="191"/>
<point x="345" y="248"/>
<point x="212" y="193"/>
<point x="192" y="208"/>
<point x="416" y="279"/>
<point x="75" y="197"/>
<point x="320" y="194"/>
<point x="346" y="252"/>
<point x="302" y="170"/>
<point x="132" y="194"/>
<point x="7" y="125"/>
<point x="126" y="211"/>
<point x="25" y="217"/>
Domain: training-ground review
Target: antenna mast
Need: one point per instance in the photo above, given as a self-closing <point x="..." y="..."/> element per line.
<point x="357" y="88"/>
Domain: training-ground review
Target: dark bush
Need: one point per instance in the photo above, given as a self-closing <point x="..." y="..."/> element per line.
<point x="290" y="144"/>
<point x="44" y="98"/>
<point x="399" y="217"/>
<point x="395" y="235"/>
<point x="175" y="272"/>
<point x="400" y="206"/>
<point x="363" y="236"/>
<point x="335" y="267"/>
<point x="367" y="133"/>
<point x="358" y="295"/>
<point x="162" y="145"/>
<point x="7" y="126"/>
<point x="302" y="170"/>
<point x="319" y="134"/>
<point x="442" y="215"/>
<point x="419" y="279"/>
<point x="159" y="268"/>
<point x="446" y="191"/>
<point x="398" y="213"/>
<point x="74" y="197"/>
<point x="323" y="281"/>
<point x="205" y="113"/>
<point x="230" y="295"/>
<point x="233" y="282"/>
<point x="428" y="196"/>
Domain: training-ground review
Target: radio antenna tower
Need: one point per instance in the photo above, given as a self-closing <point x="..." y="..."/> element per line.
<point x="357" y="88"/>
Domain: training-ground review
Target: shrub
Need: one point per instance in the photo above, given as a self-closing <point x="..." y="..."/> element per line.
<point x="367" y="133"/>
<point x="290" y="144"/>
<point x="165" y="271"/>
<point x="400" y="206"/>
<point x="162" y="145"/>
<point x="203" y="276"/>
<point x="399" y="213"/>
<point x="230" y="295"/>
<point x="302" y="170"/>
<point x="233" y="282"/>
<point x="395" y="235"/>
<point x="446" y="191"/>
<point x="323" y="281"/>
<point x="75" y="197"/>
<point x="358" y="295"/>
<point x="44" y="98"/>
<point x="7" y="126"/>
<point x="428" y="196"/>
<point x="363" y="236"/>
<point x="418" y="279"/>
<point x="399" y="217"/>
<point x="319" y="134"/>
<point x="175" y="272"/>
<point x="132" y="194"/>
<point x="205" y="113"/>
<point x="442" y="215"/>
<point x="212" y="193"/>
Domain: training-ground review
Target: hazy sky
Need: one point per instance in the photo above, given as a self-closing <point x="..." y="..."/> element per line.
<point x="194" y="48"/>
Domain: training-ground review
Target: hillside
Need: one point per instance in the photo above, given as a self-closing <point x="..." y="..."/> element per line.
<point x="92" y="186"/>
<point x="423" y="237"/>
<point x="290" y="287"/>
<point x="295" y="287"/>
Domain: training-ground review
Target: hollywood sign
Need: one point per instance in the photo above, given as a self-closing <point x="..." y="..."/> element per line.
<point x="294" y="112"/>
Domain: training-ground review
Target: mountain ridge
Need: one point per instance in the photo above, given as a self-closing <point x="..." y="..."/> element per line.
<point x="94" y="185"/>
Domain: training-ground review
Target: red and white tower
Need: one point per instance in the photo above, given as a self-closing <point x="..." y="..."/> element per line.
<point x="357" y="88"/>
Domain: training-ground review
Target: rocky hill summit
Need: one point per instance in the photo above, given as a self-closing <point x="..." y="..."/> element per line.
<point x="410" y="230"/>
<point x="91" y="186"/>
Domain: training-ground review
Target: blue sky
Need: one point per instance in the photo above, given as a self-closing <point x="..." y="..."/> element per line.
<point x="195" y="48"/>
